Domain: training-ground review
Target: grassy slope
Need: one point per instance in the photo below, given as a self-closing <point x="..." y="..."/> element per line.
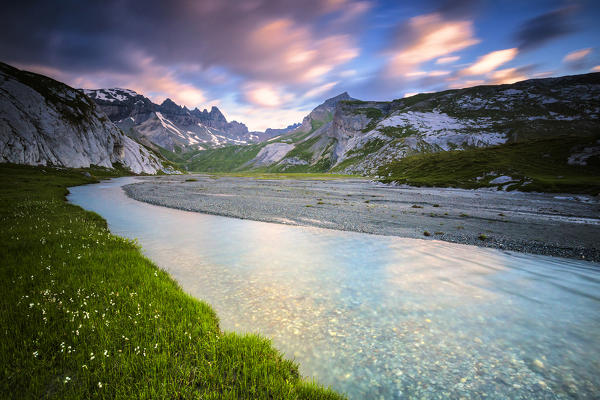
<point x="223" y="159"/>
<point x="85" y="315"/>
<point x="543" y="162"/>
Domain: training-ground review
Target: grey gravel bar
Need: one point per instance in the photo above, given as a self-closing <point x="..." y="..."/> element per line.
<point x="539" y="223"/>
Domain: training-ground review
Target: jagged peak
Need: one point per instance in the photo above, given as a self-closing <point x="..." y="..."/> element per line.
<point x="336" y="99"/>
<point x="168" y="102"/>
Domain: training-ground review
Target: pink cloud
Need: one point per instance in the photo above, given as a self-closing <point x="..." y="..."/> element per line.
<point x="577" y="55"/>
<point x="284" y="51"/>
<point x="447" y="60"/>
<point x="429" y="36"/>
<point x="264" y="94"/>
<point x="489" y="62"/>
<point x="508" y="75"/>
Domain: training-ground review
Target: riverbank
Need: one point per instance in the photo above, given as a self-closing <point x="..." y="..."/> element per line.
<point x="85" y="315"/>
<point x="546" y="224"/>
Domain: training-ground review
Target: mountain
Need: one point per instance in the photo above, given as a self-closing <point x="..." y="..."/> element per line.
<point x="45" y="122"/>
<point x="169" y="125"/>
<point x="369" y="137"/>
<point x="270" y="133"/>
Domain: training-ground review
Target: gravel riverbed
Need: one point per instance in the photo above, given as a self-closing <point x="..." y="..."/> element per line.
<point x="548" y="224"/>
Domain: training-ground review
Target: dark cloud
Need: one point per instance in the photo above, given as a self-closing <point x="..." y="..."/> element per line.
<point x="543" y="28"/>
<point x="457" y="9"/>
<point x="112" y="35"/>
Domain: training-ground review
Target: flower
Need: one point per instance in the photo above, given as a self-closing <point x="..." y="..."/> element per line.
<point x="100" y="385"/>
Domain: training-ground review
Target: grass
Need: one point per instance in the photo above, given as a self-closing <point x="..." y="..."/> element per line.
<point x="537" y="165"/>
<point x="222" y="159"/>
<point x="85" y="315"/>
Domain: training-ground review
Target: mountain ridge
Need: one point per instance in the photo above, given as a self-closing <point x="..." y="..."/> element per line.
<point x="169" y="125"/>
<point x="364" y="137"/>
<point x="45" y="122"/>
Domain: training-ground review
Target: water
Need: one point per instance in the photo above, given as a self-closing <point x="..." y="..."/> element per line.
<point x="381" y="317"/>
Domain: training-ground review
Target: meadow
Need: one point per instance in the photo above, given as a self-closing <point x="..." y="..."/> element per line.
<point x="85" y="315"/>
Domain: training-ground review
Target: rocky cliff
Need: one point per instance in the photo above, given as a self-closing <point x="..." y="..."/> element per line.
<point x="167" y="124"/>
<point x="45" y="122"/>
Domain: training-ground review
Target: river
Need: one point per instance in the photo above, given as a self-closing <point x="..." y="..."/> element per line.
<point x="379" y="316"/>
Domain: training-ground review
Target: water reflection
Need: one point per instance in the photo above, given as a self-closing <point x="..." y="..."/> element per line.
<point x="381" y="316"/>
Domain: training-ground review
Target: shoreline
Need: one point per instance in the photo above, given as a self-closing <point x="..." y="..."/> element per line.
<point x="535" y="223"/>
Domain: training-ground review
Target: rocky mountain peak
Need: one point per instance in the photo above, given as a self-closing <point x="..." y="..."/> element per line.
<point x="334" y="100"/>
<point x="216" y="114"/>
<point x="43" y="121"/>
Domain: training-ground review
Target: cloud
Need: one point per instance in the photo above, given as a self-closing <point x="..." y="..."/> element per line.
<point x="438" y="73"/>
<point x="508" y="75"/>
<point x="427" y="37"/>
<point x="281" y="43"/>
<point x="578" y="59"/>
<point x="265" y="94"/>
<point x="496" y="77"/>
<point x="577" y="55"/>
<point x="447" y="60"/>
<point x="284" y="51"/>
<point x="319" y="91"/>
<point x="489" y="62"/>
<point x="538" y="31"/>
<point x="260" y="118"/>
<point x="596" y="69"/>
<point x="467" y="83"/>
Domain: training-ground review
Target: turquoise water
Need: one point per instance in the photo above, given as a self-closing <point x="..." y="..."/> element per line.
<point x="381" y="317"/>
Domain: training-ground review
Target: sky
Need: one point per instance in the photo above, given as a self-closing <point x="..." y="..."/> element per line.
<point x="267" y="63"/>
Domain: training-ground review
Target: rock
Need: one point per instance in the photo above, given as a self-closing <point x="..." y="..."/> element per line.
<point x="45" y="122"/>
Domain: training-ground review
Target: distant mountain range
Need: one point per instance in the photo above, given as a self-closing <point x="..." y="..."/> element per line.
<point x="169" y="125"/>
<point x="45" y="122"/>
<point x="382" y="139"/>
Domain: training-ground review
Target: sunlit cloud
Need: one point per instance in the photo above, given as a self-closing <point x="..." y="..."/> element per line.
<point x="596" y="68"/>
<point x="467" y="83"/>
<point x="490" y="62"/>
<point x="265" y="95"/>
<point x="261" y="118"/>
<point x="286" y="52"/>
<point x="447" y="60"/>
<point x="438" y="73"/>
<point x="577" y="55"/>
<point x="415" y="74"/>
<point x="320" y="90"/>
<point x="410" y="94"/>
<point x="428" y="37"/>
<point x="508" y="75"/>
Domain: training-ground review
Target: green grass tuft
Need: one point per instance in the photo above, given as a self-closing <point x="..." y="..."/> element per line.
<point x="85" y="315"/>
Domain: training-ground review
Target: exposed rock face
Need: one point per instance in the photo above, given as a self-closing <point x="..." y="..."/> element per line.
<point x="323" y="112"/>
<point x="358" y="137"/>
<point x="271" y="153"/>
<point x="44" y="122"/>
<point x="169" y="125"/>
